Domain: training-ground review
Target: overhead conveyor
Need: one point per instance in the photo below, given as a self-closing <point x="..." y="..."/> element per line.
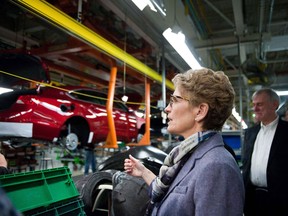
<point x="58" y="18"/>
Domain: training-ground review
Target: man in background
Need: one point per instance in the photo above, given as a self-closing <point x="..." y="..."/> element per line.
<point x="89" y="159"/>
<point x="265" y="163"/>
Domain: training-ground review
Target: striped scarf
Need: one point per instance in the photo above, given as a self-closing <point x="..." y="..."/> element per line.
<point x="172" y="164"/>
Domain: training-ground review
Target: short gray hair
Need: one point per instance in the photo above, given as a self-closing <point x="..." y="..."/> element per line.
<point x="272" y="95"/>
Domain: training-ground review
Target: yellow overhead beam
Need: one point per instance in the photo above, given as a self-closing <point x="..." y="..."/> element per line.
<point x="60" y="19"/>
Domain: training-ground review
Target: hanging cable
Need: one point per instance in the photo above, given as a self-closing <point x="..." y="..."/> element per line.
<point x="79" y="12"/>
<point x="124" y="97"/>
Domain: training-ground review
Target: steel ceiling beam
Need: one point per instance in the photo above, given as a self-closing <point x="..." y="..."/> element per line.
<point x="56" y="17"/>
<point x="13" y="38"/>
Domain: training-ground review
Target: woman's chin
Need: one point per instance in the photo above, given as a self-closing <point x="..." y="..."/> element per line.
<point x="170" y="129"/>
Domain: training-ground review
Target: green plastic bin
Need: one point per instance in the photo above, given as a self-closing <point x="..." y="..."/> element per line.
<point x="41" y="188"/>
<point x="69" y="208"/>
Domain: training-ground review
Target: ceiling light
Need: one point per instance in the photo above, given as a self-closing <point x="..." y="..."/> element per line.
<point x="141" y="4"/>
<point x="124" y="98"/>
<point x="162" y="11"/>
<point x="177" y="41"/>
<point x="244" y="125"/>
<point x="239" y="118"/>
<point x="282" y="93"/>
<point x="176" y="29"/>
<point x="4" y="90"/>
<point x="151" y="6"/>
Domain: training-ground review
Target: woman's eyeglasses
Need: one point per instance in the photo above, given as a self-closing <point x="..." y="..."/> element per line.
<point x="175" y="99"/>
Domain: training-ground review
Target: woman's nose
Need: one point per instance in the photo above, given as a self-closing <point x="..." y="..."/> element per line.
<point x="167" y="109"/>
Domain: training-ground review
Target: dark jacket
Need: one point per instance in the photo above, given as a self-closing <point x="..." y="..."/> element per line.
<point x="277" y="167"/>
<point x="4" y="171"/>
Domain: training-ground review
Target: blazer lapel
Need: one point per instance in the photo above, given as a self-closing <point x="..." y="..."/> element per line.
<point x="186" y="169"/>
<point x="252" y="134"/>
<point x="279" y="134"/>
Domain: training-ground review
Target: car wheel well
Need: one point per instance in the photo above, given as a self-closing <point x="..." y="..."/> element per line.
<point x="78" y="126"/>
<point x="78" y="121"/>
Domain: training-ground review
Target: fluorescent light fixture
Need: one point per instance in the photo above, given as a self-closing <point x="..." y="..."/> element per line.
<point x="151" y="6"/>
<point x="124" y="98"/>
<point x="236" y="115"/>
<point x="244" y="125"/>
<point x="238" y="118"/>
<point x="282" y="93"/>
<point x="177" y="41"/>
<point x="141" y="4"/>
<point x="159" y="8"/>
<point x="4" y="90"/>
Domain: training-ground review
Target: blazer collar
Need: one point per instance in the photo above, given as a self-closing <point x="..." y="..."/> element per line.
<point x="204" y="147"/>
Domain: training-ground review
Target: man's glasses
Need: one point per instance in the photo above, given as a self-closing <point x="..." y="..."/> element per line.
<point x="175" y="99"/>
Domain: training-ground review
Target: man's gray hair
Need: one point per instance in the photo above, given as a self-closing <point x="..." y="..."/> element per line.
<point x="272" y="95"/>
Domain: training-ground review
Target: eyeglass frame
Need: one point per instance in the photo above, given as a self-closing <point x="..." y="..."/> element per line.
<point x="173" y="99"/>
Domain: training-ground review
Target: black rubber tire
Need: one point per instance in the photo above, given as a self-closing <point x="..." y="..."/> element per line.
<point x="151" y="157"/>
<point x="129" y="195"/>
<point x="88" y="188"/>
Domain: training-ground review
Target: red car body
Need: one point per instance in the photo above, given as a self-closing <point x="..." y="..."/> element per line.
<point x="58" y="115"/>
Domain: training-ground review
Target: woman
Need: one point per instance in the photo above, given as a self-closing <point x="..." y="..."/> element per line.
<point x="198" y="177"/>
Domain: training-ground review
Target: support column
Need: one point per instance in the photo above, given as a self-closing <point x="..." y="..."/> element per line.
<point x="111" y="141"/>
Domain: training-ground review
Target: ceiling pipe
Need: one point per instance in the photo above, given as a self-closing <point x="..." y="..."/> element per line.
<point x="220" y="13"/>
<point x="61" y="20"/>
<point x="79" y="12"/>
<point x="262" y="42"/>
<point x="163" y="76"/>
<point x="238" y="17"/>
<point x="270" y="15"/>
<point x="261" y="18"/>
<point x="240" y="91"/>
<point x="197" y="22"/>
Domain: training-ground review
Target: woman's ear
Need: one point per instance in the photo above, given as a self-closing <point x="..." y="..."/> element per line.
<point x="202" y="111"/>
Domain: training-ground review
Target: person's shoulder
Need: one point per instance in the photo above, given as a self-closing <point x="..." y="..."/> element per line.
<point x="283" y="124"/>
<point x="281" y="121"/>
<point x="252" y="128"/>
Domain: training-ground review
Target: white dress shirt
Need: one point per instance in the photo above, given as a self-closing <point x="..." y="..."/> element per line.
<point x="261" y="153"/>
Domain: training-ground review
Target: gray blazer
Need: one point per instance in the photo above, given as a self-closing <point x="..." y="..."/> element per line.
<point x="210" y="183"/>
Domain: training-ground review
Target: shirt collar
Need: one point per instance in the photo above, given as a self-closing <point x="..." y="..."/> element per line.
<point x="271" y="124"/>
